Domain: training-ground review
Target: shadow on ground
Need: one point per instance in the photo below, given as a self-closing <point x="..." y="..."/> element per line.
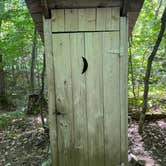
<point x="154" y="138"/>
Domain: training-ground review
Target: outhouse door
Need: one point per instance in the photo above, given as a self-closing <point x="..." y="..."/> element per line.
<point x="90" y="84"/>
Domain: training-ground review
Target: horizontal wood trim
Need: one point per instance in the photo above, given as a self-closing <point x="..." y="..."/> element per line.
<point x="84" y="31"/>
<point x="85" y="20"/>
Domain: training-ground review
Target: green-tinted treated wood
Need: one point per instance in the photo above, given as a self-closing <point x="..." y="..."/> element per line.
<point x="51" y="90"/>
<point x="101" y="19"/>
<point x="58" y="21"/>
<point x="112" y="18"/>
<point x="63" y="87"/>
<point x="107" y="18"/>
<point x="87" y="19"/>
<point x="123" y="88"/>
<point x="94" y="86"/>
<point x="111" y="98"/>
<point x="71" y="19"/>
<point x="79" y="100"/>
<point x="93" y="130"/>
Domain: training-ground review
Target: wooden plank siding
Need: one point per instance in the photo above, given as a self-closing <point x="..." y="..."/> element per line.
<point x="123" y="88"/>
<point x="77" y="51"/>
<point x="51" y="91"/>
<point x="82" y="20"/>
<point x="89" y="125"/>
<point x="111" y="98"/>
<point x="94" y="85"/>
<point x="63" y="86"/>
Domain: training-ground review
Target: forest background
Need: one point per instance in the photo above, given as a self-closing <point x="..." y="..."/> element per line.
<point x="22" y="68"/>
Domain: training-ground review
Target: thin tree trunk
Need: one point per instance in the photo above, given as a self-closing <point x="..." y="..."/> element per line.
<point x="42" y="91"/>
<point x="131" y="68"/>
<point x="38" y="75"/>
<point x="158" y="9"/>
<point x="2" y="79"/>
<point x="32" y="78"/>
<point x="43" y="74"/>
<point x="148" y="70"/>
<point x="2" y="73"/>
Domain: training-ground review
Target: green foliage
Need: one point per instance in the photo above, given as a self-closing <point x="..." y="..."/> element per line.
<point x="142" y="42"/>
<point x="8" y="118"/>
<point x="16" y="31"/>
<point x="9" y="135"/>
<point x="16" y="39"/>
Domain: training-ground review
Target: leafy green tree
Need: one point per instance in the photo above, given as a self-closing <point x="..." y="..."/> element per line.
<point x="149" y="67"/>
<point x="142" y="42"/>
<point x="17" y="33"/>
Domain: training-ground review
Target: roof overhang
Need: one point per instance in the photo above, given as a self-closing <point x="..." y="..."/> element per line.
<point x="40" y="8"/>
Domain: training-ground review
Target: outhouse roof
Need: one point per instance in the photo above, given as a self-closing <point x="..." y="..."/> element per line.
<point x="38" y="8"/>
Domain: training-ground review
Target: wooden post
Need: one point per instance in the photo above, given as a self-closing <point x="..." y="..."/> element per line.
<point x="51" y="90"/>
<point x="123" y="88"/>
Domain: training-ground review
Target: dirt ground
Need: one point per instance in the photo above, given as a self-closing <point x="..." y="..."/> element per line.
<point x="151" y="145"/>
<point x="24" y="143"/>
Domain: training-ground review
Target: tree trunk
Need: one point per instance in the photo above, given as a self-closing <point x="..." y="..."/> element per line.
<point x="42" y="99"/>
<point x="148" y="70"/>
<point x="2" y="79"/>
<point x="131" y="68"/>
<point x="2" y="73"/>
<point x="32" y="78"/>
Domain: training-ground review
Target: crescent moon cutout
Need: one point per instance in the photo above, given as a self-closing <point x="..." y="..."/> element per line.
<point x="85" y="67"/>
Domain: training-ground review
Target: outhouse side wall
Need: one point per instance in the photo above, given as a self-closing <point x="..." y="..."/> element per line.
<point x="51" y="91"/>
<point x="124" y="88"/>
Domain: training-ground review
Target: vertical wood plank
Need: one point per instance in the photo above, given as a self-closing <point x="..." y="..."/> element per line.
<point x="101" y="19"/>
<point x="51" y="90"/>
<point x="112" y="18"/>
<point x="79" y="100"/>
<point x="71" y="19"/>
<point x="94" y="85"/>
<point x="108" y="18"/>
<point x="123" y="88"/>
<point x="111" y="98"/>
<point x="87" y="19"/>
<point x="62" y="62"/>
<point x="58" y="21"/>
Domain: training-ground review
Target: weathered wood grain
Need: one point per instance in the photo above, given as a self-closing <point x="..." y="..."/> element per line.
<point x="107" y="18"/>
<point x="112" y="18"/>
<point x="51" y="90"/>
<point x="79" y="100"/>
<point x="111" y="98"/>
<point x="58" y="23"/>
<point x="123" y="88"/>
<point x="92" y="107"/>
<point x="94" y="86"/>
<point x="71" y="20"/>
<point x="88" y="19"/>
<point x="63" y="85"/>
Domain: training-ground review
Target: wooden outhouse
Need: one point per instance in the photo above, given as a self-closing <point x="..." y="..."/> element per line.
<point x="86" y="58"/>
